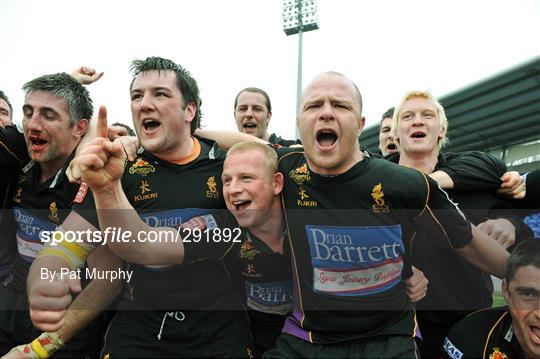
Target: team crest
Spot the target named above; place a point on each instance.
(300, 174)
(18, 195)
(377, 194)
(497, 354)
(212, 188)
(141, 167)
(248, 251)
(54, 212)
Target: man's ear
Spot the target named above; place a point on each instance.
(190, 110)
(504, 290)
(278, 183)
(80, 128)
(361, 124)
(269, 118)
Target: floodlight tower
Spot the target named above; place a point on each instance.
(299, 16)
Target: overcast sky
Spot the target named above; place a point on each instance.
(386, 47)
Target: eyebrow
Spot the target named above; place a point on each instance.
(153, 89)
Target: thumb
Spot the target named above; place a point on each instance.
(102, 130)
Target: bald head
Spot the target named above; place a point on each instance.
(323, 77)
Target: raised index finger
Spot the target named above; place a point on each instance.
(102, 130)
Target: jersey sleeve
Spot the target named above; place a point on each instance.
(442, 218)
(84, 205)
(209, 236)
(473, 170)
(12, 146)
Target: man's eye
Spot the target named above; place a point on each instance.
(135, 97)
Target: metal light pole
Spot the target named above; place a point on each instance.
(299, 16)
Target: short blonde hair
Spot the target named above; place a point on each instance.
(440, 113)
(270, 156)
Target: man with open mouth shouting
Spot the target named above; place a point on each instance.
(351, 220)
(252, 112)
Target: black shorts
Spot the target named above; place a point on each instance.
(16, 328)
(391, 346)
(151, 333)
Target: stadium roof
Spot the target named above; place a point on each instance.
(499, 111)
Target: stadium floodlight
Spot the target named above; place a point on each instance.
(299, 16)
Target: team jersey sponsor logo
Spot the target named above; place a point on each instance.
(378, 196)
(81, 193)
(300, 175)
(141, 167)
(146, 192)
(54, 213)
(173, 218)
(452, 350)
(304, 200)
(251, 271)
(248, 251)
(212, 188)
(272, 298)
(497, 354)
(355, 261)
(29, 233)
(201, 223)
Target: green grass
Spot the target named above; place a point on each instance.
(498, 299)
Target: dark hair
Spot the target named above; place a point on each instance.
(67, 88)
(388, 114)
(4, 97)
(186, 84)
(524, 254)
(128, 129)
(256, 90)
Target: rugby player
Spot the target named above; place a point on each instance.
(252, 113)
(171, 307)
(505, 332)
(419, 129)
(56, 113)
(386, 141)
(350, 237)
(7, 182)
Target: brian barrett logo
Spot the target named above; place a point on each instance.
(141, 167)
(377, 194)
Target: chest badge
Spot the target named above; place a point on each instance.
(497, 354)
(54, 212)
(141, 167)
(378, 196)
(212, 188)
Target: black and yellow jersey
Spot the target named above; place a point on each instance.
(485, 334)
(350, 237)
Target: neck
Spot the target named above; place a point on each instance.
(271, 231)
(342, 168)
(178, 153)
(49, 169)
(266, 136)
(421, 161)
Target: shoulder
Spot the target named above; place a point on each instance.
(469, 335)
